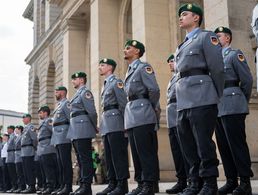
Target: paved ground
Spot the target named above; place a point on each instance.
(164, 186)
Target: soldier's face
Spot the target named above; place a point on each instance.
(76, 83)
(187, 20)
(223, 39)
(58, 95)
(26, 120)
(104, 69)
(42, 115)
(9, 130)
(171, 65)
(130, 52)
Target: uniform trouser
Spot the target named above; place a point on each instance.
(20, 175)
(83, 152)
(29, 170)
(40, 177)
(12, 174)
(181, 165)
(49, 165)
(195, 129)
(143, 142)
(116, 156)
(237, 157)
(6, 178)
(65, 163)
(1, 178)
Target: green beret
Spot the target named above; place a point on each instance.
(192, 8)
(79, 75)
(19, 127)
(223, 29)
(26, 115)
(136, 44)
(44, 108)
(108, 61)
(61, 88)
(171, 57)
(11, 127)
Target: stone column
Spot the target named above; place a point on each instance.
(104, 40)
(74, 50)
(52, 11)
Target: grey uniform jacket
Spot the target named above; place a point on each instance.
(44, 138)
(11, 149)
(28, 141)
(61, 116)
(202, 51)
(18, 149)
(113, 94)
(1, 160)
(235, 99)
(171, 103)
(140, 80)
(83, 125)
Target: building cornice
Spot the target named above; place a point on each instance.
(28, 13)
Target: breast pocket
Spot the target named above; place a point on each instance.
(192, 56)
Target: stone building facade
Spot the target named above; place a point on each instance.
(72, 35)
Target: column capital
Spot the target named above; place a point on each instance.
(74, 24)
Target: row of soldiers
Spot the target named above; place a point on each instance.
(210, 90)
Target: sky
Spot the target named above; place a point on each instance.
(16, 42)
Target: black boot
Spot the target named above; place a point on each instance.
(229, 186)
(12, 189)
(179, 187)
(66, 190)
(156, 186)
(85, 189)
(29, 190)
(210, 186)
(121, 188)
(57, 190)
(193, 188)
(244, 188)
(136, 190)
(147, 189)
(48, 191)
(111, 186)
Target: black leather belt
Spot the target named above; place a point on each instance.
(109, 107)
(61, 123)
(172, 100)
(79, 113)
(11, 150)
(140, 96)
(44, 138)
(231, 84)
(25, 145)
(192, 72)
(17, 149)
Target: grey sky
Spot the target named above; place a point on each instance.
(16, 37)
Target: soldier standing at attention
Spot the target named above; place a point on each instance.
(61, 123)
(233, 108)
(83, 127)
(18, 161)
(179, 160)
(140, 117)
(46, 151)
(113, 101)
(10, 160)
(28, 147)
(200, 84)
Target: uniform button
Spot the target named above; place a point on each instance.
(113, 113)
(81, 121)
(141, 104)
(233, 93)
(200, 81)
(191, 52)
(133, 80)
(178, 57)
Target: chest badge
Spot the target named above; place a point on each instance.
(120, 85)
(88, 95)
(214, 40)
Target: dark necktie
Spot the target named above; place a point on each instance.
(186, 39)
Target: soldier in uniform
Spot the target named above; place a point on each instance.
(18, 161)
(199, 67)
(179, 160)
(10, 160)
(143, 94)
(46, 151)
(233, 108)
(113, 101)
(28, 146)
(83, 127)
(61, 121)
(254, 25)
